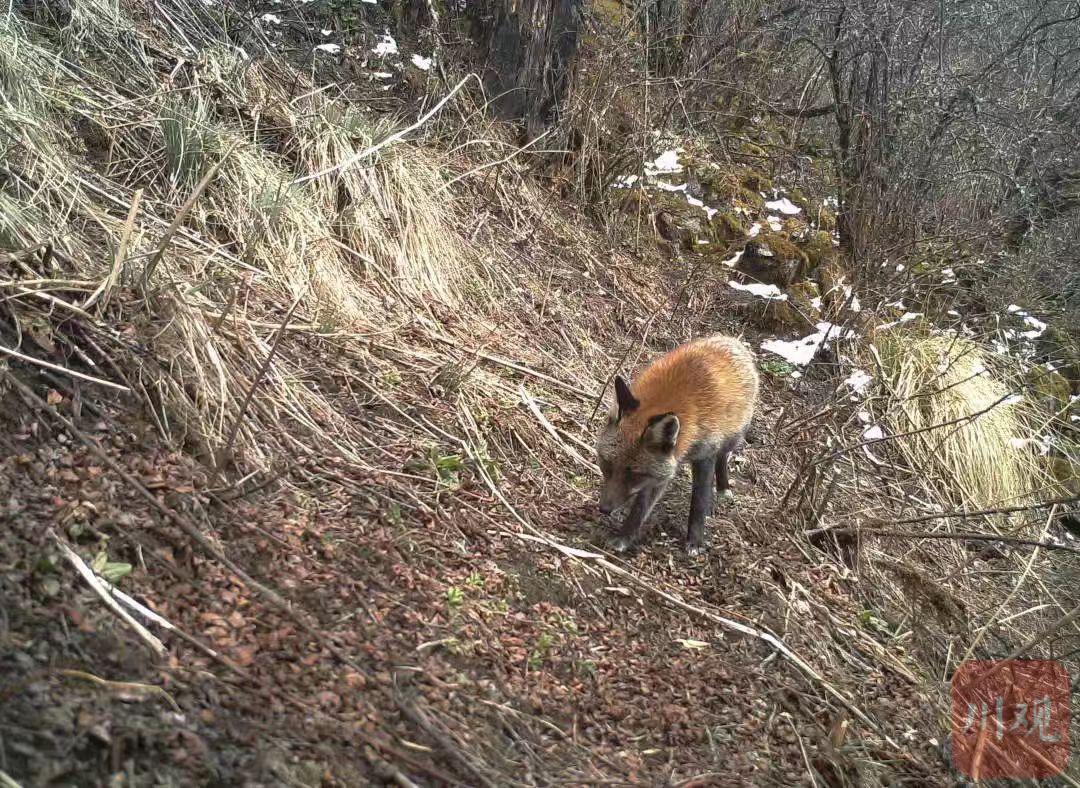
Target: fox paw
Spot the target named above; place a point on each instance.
(623, 544)
(694, 549)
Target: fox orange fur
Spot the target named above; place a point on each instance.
(692, 405)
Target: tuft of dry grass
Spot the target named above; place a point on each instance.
(970, 459)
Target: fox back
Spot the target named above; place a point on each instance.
(693, 402)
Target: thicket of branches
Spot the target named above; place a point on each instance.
(953, 121)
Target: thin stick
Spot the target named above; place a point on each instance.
(960, 537)
(109, 282)
(63, 370)
(985, 628)
(986, 512)
(166, 239)
(91, 578)
(11, 257)
(388, 140)
(259, 375)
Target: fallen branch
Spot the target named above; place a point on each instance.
(63, 370)
(959, 537)
(88, 575)
(987, 512)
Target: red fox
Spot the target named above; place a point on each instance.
(692, 405)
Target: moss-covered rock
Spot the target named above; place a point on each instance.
(773, 259)
(802, 309)
(1049, 387)
(755, 180)
(818, 248)
(1067, 474)
(726, 189)
(726, 228)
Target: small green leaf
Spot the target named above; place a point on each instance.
(99, 562)
(115, 570)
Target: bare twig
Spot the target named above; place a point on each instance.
(170, 231)
(259, 376)
(959, 537)
(63, 370)
(92, 580)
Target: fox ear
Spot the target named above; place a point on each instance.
(627, 401)
(662, 432)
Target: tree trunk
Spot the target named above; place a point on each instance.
(532, 51)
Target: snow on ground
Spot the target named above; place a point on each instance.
(386, 45)
(771, 292)
(784, 206)
(421, 62)
(801, 352)
(858, 381)
(330, 49)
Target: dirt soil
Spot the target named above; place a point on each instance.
(437, 647)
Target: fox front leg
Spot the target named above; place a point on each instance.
(639, 512)
(701, 503)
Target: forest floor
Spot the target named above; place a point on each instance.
(360, 499)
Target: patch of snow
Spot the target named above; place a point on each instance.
(271, 19)
(864, 416)
(666, 162)
(816, 302)
(730, 262)
(755, 228)
(330, 49)
(873, 433)
(897, 305)
(1013, 399)
(370, 2)
(386, 46)
(907, 317)
(858, 381)
(709, 212)
(1042, 443)
(853, 300)
(421, 62)
(771, 292)
(948, 276)
(784, 205)
(900, 267)
(326, 31)
(382, 74)
(624, 182)
(801, 352)
(1037, 325)
(953, 313)
(669, 187)
(774, 224)
(1013, 309)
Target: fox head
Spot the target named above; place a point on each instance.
(635, 452)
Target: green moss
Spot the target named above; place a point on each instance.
(801, 309)
(726, 227)
(800, 199)
(755, 181)
(781, 248)
(818, 248)
(826, 219)
(725, 188)
(1051, 386)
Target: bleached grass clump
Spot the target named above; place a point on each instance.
(970, 461)
(395, 207)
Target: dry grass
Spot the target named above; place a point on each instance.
(969, 459)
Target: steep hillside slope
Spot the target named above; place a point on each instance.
(317, 388)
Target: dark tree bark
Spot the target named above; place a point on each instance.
(532, 51)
